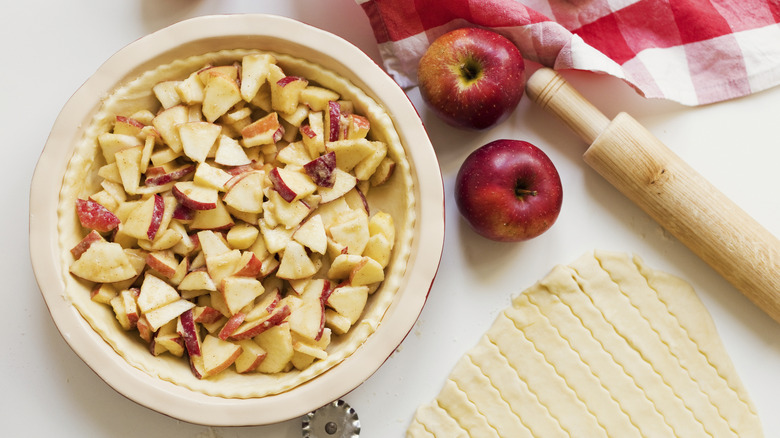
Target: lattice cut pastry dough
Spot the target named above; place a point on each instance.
(604, 347)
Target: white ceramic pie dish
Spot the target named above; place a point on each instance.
(203, 35)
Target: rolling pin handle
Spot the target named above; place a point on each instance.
(551, 91)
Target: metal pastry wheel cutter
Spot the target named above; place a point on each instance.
(334, 420)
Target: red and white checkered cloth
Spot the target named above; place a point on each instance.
(691, 51)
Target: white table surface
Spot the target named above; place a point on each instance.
(52, 47)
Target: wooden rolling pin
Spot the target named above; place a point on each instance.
(670, 191)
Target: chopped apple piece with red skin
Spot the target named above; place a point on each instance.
(246, 194)
(249, 265)
(313, 134)
(219, 95)
(253, 328)
(264, 304)
(254, 73)
(321, 169)
(169, 177)
(183, 213)
(111, 143)
(343, 182)
(349, 301)
(317, 98)
(290, 184)
(144, 331)
(130, 307)
(155, 293)
(227, 71)
(383, 172)
(103, 293)
(218, 354)
(144, 221)
(189, 333)
(127, 126)
(197, 367)
(240, 291)
(128, 163)
(103, 262)
(166, 123)
(164, 262)
(167, 313)
(82, 246)
(277, 343)
(198, 138)
(295, 263)
(312, 235)
(230, 152)
(118, 305)
(357, 126)
(265, 130)
(332, 123)
(231, 325)
(285, 93)
(194, 196)
(206, 314)
(251, 356)
(95, 216)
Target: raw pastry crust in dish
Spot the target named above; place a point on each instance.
(604, 347)
(396, 197)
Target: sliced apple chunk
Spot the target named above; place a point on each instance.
(198, 138)
(219, 95)
(349, 301)
(218, 354)
(103, 262)
(277, 342)
(167, 313)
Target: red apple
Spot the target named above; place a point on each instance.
(472, 78)
(508, 190)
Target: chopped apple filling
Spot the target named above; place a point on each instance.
(232, 226)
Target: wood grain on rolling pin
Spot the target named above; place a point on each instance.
(641, 167)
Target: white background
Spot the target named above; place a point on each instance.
(51, 48)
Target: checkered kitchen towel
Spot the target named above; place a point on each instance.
(691, 51)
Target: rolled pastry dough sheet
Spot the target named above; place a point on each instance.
(604, 347)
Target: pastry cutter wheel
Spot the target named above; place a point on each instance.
(334, 420)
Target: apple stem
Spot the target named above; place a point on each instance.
(470, 69)
(525, 192)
